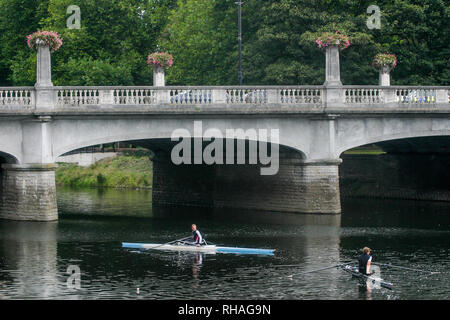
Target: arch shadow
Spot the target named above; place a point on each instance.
(400, 139)
(8, 158)
(166, 145)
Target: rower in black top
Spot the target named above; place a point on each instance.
(196, 239)
(365, 261)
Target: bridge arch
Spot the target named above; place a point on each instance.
(74, 135)
(391, 137)
(8, 158)
(165, 144)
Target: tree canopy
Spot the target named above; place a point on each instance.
(116, 36)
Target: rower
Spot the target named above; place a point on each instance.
(196, 237)
(365, 261)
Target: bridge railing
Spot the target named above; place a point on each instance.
(395, 94)
(17, 97)
(188, 95)
(72, 97)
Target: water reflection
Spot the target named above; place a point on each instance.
(396, 213)
(105, 202)
(197, 264)
(29, 258)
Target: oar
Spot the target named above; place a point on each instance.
(169, 243)
(405, 268)
(335, 266)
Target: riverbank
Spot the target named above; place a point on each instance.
(124, 171)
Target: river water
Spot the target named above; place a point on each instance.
(35, 257)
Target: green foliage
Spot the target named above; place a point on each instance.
(116, 37)
(23, 68)
(89, 72)
(18, 18)
(119, 172)
(200, 36)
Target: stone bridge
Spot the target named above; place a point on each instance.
(316, 124)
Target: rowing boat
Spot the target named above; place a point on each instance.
(368, 279)
(181, 246)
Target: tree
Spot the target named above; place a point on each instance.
(115, 38)
(18, 18)
(280, 49)
(201, 36)
(278, 45)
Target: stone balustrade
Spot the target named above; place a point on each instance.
(17, 97)
(365, 96)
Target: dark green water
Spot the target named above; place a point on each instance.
(34, 257)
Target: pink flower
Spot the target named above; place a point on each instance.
(162, 59)
(49, 38)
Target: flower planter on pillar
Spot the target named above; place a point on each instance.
(44, 43)
(386, 62)
(159, 61)
(332, 43)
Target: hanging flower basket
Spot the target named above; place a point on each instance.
(385, 59)
(160, 59)
(328, 39)
(50, 38)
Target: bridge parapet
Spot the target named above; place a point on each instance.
(23, 98)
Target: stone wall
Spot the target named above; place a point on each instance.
(396, 176)
(29, 193)
(190, 185)
(298, 187)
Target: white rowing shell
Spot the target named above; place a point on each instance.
(207, 248)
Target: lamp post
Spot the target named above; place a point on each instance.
(240, 3)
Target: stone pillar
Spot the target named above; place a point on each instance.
(183, 185)
(37, 140)
(300, 187)
(334, 94)
(442, 96)
(320, 180)
(159, 80)
(29, 192)
(159, 76)
(385, 76)
(333, 71)
(45, 97)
